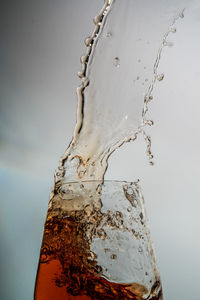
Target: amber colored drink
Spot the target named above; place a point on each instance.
(68, 270)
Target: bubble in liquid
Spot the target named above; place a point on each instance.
(160, 77)
(140, 249)
(116, 62)
(113, 256)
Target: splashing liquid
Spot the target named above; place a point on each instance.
(117, 81)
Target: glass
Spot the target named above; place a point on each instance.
(97, 245)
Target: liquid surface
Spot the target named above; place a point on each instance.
(100, 251)
(68, 271)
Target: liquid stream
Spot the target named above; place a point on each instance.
(118, 76)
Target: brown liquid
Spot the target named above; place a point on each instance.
(69, 270)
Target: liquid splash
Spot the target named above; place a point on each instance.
(105, 121)
(97, 133)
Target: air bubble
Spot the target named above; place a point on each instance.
(88, 41)
(116, 62)
(140, 249)
(129, 191)
(113, 256)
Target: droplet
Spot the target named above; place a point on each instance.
(129, 209)
(138, 78)
(181, 15)
(139, 60)
(113, 256)
(116, 62)
(151, 163)
(58, 174)
(160, 77)
(168, 44)
(173, 30)
(109, 34)
(88, 41)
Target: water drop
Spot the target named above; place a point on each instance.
(139, 60)
(160, 77)
(138, 78)
(88, 41)
(181, 15)
(58, 174)
(109, 34)
(113, 256)
(129, 209)
(168, 44)
(116, 62)
(173, 30)
(106, 250)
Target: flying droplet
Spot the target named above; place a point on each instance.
(116, 62)
(173, 30)
(181, 15)
(160, 77)
(113, 256)
(109, 34)
(168, 44)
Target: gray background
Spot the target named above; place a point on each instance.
(41, 45)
